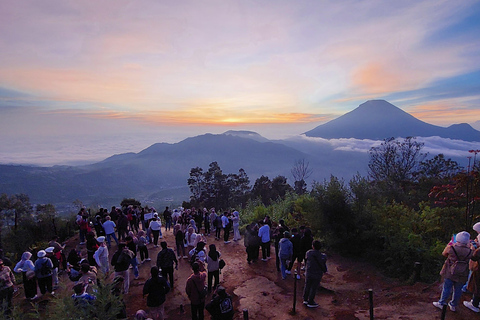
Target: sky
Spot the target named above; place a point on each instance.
(82, 80)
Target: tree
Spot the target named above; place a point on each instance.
(196, 183)
(438, 168)
(263, 189)
(300, 173)
(239, 185)
(393, 166)
(280, 187)
(129, 202)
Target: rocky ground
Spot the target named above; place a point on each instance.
(260, 289)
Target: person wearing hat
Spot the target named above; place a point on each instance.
(43, 272)
(475, 244)
(285, 253)
(101, 255)
(51, 256)
(7, 282)
(221, 306)
(27, 268)
(156, 228)
(455, 270)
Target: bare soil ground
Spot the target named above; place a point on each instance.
(260, 289)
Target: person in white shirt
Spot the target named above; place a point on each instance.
(264, 234)
(109, 227)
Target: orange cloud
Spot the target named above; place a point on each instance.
(194, 117)
(445, 113)
(375, 78)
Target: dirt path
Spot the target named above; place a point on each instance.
(260, 289)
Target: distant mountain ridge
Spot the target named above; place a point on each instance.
(379, 119)
(160, 171)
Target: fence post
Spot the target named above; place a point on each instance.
(370, 299)
(294, 292)
(245, 314)
(444, 311)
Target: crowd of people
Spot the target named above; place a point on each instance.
(461, 271)
(133, 228)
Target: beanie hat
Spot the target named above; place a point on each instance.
(476, 227)
(463, 237)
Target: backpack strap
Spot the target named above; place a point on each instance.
(464, 259)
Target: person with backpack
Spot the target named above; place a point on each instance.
(285, 253)
(221, 306)
(196, 291)
(44, 272)
(121, 261)
(198, 253)
(455, 270)
(315, 267)
(27, 268)
(155, 289)
(165, 260)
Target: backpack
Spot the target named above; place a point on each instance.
(226, 305)
(45, 269)
(193, 258)
(459, 267)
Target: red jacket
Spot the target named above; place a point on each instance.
(195, 283)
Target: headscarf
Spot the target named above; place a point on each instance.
(212, 252)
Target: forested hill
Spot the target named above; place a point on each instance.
(161, 171)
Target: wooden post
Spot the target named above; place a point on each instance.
(417, 271)
(294, 292)
(444, 311)
(370, 299)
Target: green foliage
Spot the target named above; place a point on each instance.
(105, 307)
(129, 201)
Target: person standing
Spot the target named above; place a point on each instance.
(236, 226)
(277, 236)
(264, 234)
(155, 289)
(132, 246)
(121, 261)
(142, 246)
(285, 253)
(27, 268)
(297, 252)
(213, 266)
(7, 281)
(226, 227)
(109, 227)
(179, 241)
(458, 253)
(55, 263)
(165, 260)
(101, 256)
(43, 272)
(194, 289)
(167, 215)
(156, 228)
(315, 267)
